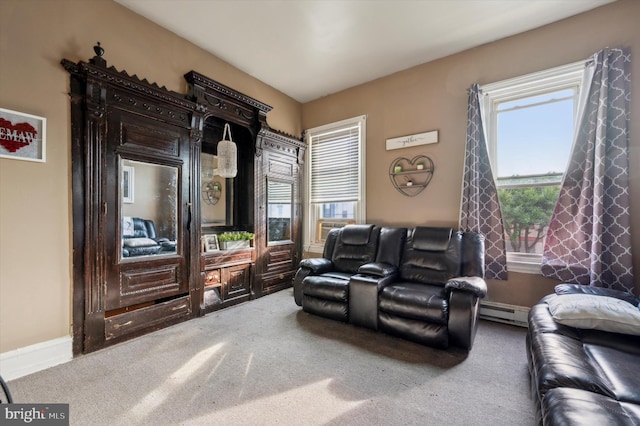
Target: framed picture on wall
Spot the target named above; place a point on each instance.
(22, 136)
(211, 242)
(128, 176)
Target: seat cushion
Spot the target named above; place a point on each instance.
(416, 301)
(331, 286)
(565, 406)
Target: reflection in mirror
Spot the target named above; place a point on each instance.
(149, 209)
(279, 210)
(214, 192)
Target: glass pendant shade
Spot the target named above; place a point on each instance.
(227, 155)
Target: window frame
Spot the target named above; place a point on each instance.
(313, 210)
(537, 83)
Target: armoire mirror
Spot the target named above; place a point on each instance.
(279, 210)
(148, 209)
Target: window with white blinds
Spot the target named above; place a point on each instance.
(335, 162)
(335, 178)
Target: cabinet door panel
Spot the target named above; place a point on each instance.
(145, 210)
(236, 281)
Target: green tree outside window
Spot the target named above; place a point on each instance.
(526, 213)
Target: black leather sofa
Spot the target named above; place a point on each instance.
(579, 375)
(422, 284)
(140, 239)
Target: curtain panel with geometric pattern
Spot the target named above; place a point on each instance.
(480, 207)
(589, 237)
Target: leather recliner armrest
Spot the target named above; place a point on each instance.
(475, 285)
(307, 267)
(317, 265)
(378, 269)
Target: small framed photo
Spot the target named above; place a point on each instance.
(128, 184)
(211, 242)
(22, 136)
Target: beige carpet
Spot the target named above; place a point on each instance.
(266, 362)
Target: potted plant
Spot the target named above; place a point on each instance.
(235, 240)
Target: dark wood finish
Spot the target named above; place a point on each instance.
(126, 323)
(117, 116)
(228, 273)
(281, 161)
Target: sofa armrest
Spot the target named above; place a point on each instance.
(298, 278)
(475, 285)
(567, 288)
(378, 269)
(310, 266)
(317, 265)
(464, 310)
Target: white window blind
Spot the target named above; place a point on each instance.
(336, 181)
(335, 160)
(279, 194)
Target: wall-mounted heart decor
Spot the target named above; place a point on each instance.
(411, 176)
(16, 136)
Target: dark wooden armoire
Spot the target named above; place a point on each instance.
(149, 206)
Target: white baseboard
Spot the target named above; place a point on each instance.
(504, 313)
(30, 359)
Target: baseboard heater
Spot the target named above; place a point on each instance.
(501, 312)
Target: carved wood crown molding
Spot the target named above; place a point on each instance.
(280, 141)
(196, 78)
(130, 82)
(207, 97)
(275, 136)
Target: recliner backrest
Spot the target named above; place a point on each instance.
(472, 255)
(390, 245)
(143, 228)
(431, 255)
(355, 245)
(330, 243)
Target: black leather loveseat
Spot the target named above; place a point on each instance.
(422, 284)
(583, 348)
(140, 239)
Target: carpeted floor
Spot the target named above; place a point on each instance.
(268, 363)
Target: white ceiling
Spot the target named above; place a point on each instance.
(311, 48)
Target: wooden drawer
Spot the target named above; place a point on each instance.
(147, 317)
(226, 258)
(282, 280)
(212, 278)
(279, 261)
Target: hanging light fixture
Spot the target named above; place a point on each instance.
(227, 155)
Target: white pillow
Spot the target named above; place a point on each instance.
(139, 242)
(595, 312)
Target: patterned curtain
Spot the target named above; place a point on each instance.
(589, 237)
(480, 208)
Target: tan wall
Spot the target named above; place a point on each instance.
(433, 96)
(35, 201)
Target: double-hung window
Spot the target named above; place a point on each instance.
(530, 123)
(335, 177)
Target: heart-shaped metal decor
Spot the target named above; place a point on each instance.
(411, 176)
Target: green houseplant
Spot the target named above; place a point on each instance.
(235, 239)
